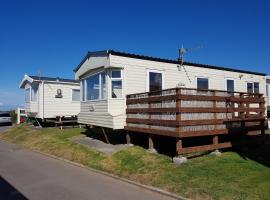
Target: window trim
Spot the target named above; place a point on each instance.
(72, 89)
(100, 89)
(203, 77)
(27, 101)
(253, 88)
(148, 77)
(117, 79)
(267, 90)
(31, 90)
(83, 90)
(226, 84)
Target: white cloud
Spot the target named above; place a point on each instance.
(1, 104)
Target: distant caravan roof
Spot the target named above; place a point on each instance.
(46, 79)
(43, 78)
(143, 57)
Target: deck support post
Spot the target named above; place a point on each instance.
(179, 146)
(215, 143)
(215, 140)
(179, 159)
(105, 135)
(128, 139)
(151, 147)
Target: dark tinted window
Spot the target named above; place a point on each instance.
(230, 85)
(250, 87)
(155, 81)
(4, 115)
(116, 74)
(202, 83)
(256, 88)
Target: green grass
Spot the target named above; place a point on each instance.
(231, 176)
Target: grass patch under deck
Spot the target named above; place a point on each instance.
(231, 176)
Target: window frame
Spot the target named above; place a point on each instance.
(202, 77)
(267, 90)
(253, 87)
(29, 98)
(148, 78)
(121, 78)
(226, 84)
(73, 89)
(31, 91)
(85, 89)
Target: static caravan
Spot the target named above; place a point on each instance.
(48, 98)
(106, 77)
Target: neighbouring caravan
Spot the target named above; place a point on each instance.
(106, 77)
(48, 98)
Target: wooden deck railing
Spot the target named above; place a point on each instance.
(184, 112)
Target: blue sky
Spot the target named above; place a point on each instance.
(53, 36)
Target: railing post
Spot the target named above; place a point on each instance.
(248, 106)
(149, 107)
(262, 114)
(241, 113)
(215, 138)
(178, 119)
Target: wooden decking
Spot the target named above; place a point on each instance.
(187, 113)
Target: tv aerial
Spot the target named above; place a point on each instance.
(182, 51)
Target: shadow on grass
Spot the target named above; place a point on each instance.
(259, 152)
(7, 191)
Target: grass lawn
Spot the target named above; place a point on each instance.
(231, 176)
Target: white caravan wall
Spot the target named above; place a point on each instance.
(58, 106)
(96, 113)
(136, 75)
(135, 79)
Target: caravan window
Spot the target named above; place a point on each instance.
(230, 85)
(94, 87)
(75, 95)
(34, 91)
(116, 84)
(256, 88)
(253, 87)
(103, 85)
(202, 83)
(27, 95)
